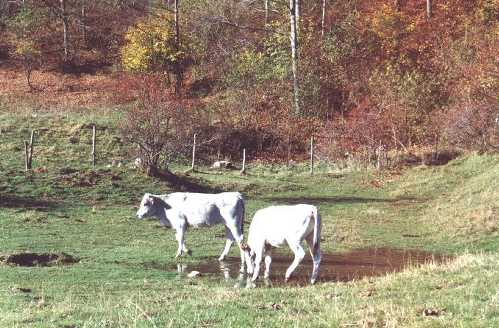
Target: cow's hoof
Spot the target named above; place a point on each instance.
(189, 252)
(312, 281)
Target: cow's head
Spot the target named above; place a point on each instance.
(151, 206)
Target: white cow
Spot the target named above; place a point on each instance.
(278, 225)
(182, 209)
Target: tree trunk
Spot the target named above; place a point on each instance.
(178, 70)
(297, 14)
(323, 17)
(428, 9)
(65, 30)
(266, 11)
(294, 54)
(29, 70)
(83, 22)
(397, 4)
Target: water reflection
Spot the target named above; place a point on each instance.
(221, 267)
(353, 265)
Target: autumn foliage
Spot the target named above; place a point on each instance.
(376, 75)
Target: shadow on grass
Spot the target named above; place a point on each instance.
(342, 200)
(10, 201)
(183, 182)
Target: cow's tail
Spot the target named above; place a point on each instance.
(317, 230)
(243, 211)
(244, 245)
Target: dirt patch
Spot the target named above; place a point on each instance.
(354, 265)
(87, 178)
(12, 201)
(35, 259)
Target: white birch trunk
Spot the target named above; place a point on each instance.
(297, 14)
(178, 73)
(65, 30)
(323, 17)
(294, 54)
(83, 23)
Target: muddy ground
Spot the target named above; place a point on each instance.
(354, 265)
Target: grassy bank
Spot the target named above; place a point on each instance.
(126, 271)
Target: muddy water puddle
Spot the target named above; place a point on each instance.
(353, 265)
(38, 259)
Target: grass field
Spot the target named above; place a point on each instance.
(126, 275)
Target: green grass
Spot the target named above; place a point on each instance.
(121, 280)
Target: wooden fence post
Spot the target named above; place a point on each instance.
(26, 156)
(193, 153)
(93, 145)
(28, 152)
(243, 169)
(311, 155)
(31, 145)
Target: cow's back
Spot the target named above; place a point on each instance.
(277, 223)
(205, 208)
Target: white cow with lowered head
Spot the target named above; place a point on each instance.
(180, 210)
(279, 225)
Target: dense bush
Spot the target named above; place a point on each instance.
(159, 124)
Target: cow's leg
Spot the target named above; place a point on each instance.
(256, 269)
(268, 262)
(238, 236)
(228, 244)
(258, 261)
(316, 258)
(299, 255)
(179, 235)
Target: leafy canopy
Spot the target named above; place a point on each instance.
(150, 45)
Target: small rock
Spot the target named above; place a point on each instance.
(222, 165)
(137, 163)
(432, 312)
(21, 289)
(193, 274)
(275, 306)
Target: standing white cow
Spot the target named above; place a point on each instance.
(278, 225)
(182, 209)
